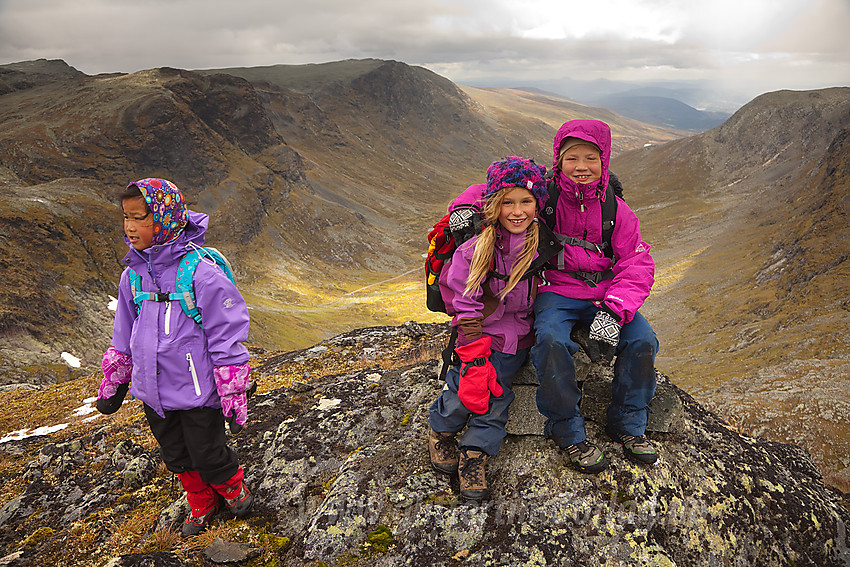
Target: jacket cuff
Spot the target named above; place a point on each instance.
(470, 328)
(618, 318)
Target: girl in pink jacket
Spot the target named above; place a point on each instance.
(488, 288)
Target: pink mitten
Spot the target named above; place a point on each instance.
(117, 368)
(231, 383)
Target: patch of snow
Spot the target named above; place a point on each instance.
(24, 433)
(71, 360)
(83, 410)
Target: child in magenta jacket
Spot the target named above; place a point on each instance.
(188, 376)
(584, 285)
(488, 290)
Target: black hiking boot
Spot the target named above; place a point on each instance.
(636, 448)
(473, 485)
(241, 505)
(587, 458)
(442, 448)
(195, 525)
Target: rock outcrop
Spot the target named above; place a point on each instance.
(339, 466)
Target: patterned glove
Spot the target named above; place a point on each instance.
(231, 382)
(605, 330)
(117, 369)
(477, 376)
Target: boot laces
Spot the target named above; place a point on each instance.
(473, 469)
(446, 446)
(637, 443)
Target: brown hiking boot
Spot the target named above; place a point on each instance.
(473, 486)
(443, 450)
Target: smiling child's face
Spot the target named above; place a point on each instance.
(582, 164)
(138, 222)
(518, 209)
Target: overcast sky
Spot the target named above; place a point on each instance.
(752, 46)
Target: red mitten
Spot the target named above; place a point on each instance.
(477, 375)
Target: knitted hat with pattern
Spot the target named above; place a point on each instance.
(516, 171)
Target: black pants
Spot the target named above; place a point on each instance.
(194, 440)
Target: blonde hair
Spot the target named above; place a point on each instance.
(482, 257)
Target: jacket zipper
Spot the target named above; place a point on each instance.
(168, 318)
(194, 374)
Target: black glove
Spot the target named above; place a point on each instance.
(235, 428)
(108, 406)
(605, 332)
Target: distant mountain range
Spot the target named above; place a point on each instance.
(662, 111)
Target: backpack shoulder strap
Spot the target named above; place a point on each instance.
(609, 218)
(136, 288)
(184, 285)
(186, 274)
(547, 213)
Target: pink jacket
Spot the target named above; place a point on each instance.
(634, 269)
(507, 322)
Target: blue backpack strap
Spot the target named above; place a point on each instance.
(139, 295)
(185, 277)
(136, 288)
(185, 293)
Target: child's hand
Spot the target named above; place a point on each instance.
(231, 382)
(235, 408)
(477, 376)
(117, 368)
(606, 332)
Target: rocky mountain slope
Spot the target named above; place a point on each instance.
(335, 450)
(748, 224)
(320, 180)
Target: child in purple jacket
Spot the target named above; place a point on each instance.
(487, 289)
(189, 376)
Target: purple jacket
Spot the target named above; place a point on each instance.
(508, 322)
(173, 357)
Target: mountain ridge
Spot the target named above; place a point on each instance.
(745, 219)
(256, 157)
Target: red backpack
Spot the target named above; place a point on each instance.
(448, 233)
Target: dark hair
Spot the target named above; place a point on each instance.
(131, 192)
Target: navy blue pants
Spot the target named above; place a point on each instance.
(558, 396)
(484, 432)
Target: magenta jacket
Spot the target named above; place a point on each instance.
(509, 324)
(173, 357)
(634, 269)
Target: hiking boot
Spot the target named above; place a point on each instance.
(241, 505)
(587, 458)
(443, 450)
(473, 486)
(636, 448)
(195, 525)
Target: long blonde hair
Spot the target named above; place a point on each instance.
(482, 257)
